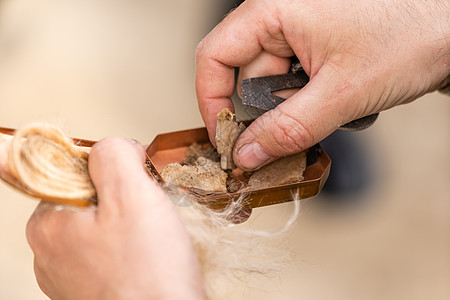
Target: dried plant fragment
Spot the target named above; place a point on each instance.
(285, 170)
(227, 132)
(234, 184)
(196, 150)
(205, 174)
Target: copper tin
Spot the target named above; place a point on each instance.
(171, 147)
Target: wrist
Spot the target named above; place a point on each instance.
(440, 35)
(154, 292)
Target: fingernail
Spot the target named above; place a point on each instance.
(252, 155)
(132, 141)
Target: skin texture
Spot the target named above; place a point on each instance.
(132, 246)
(362, 57)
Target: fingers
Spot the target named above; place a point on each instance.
(43, 279)
(236, 41)
(81, 252)
(115, 166)
(264, 65)
(117, 170)
(51, 233)
(298, 123)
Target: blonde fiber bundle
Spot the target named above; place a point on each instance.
(48, 164)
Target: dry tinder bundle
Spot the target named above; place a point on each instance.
(45, 162)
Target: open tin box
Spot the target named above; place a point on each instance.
(172, 147)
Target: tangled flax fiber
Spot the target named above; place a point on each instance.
(48, 164)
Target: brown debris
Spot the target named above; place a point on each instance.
(206, 169)
(234, 184)
(285, 170)
(205, 174)
(227, 132)
(196, 150)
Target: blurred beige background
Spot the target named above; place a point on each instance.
(126, 68)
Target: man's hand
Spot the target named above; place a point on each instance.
(362, 57)
(132, 246)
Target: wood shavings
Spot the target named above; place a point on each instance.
(227, 132)
(205, 174)
(285, 170)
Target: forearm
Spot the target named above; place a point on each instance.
(438, 43)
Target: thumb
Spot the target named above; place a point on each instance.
(298, 123)
(117, 170)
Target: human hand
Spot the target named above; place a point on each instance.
(362, 57)
(132, 246)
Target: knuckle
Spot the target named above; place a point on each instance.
(107, 143)
(106, 148)
(40, 228)
(30, 232)
(42, 278)
(289, 134)
(200, 49)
